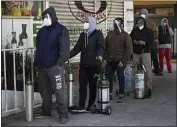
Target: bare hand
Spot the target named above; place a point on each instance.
(121, 64)
(104, 62)
(141, 42)
(156, 41)
(99, 58)
(135, 42)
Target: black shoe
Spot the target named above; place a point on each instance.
(42, 115)
(88, 109)
(169, 71)
(159, 74)
(78, 109)
(72, 107)
(153, 71)
(63, 120)
(120, 98)
(148, 94)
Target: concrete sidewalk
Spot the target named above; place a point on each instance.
(160, 110)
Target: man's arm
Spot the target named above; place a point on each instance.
(128, 49)
(76, 49)
(100, 43)
(170, 31)
(150, 38)
(64, 47)
(154, 28)
(37, 43)
(106, 48)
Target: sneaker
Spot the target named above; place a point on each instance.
(169, 71)
(78, 109)
(63, 120)
(42, 115)
(120, 98)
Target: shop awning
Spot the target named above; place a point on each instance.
(146, 3)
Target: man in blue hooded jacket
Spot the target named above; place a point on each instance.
(91, 46)
(52, 51)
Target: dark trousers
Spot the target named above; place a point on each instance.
(53, 78)
(87, 76)
(111, 67)
(154, 57)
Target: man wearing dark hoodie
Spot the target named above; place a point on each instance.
(143, 38)
(118, 46)
(91, 46)
(165, 40)
(52, 51)
(152, 25)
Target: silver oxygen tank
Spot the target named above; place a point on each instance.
(139, 82)
(29, 101)
(103, 92)
(70, 88)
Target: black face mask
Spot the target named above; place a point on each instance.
(117, 26)
(140, 23)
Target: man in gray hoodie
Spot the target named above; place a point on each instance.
(91, 46)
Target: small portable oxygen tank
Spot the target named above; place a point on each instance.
(70, 86)
(128, 74)
(103, 94)
(29, 100)
(139, 82)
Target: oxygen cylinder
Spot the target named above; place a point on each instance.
(29, 101)
(103, 92)
(139, 82)
(70, 86)
(128, 71)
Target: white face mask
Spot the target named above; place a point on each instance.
(47, 21)
(86, 26)
(141, 27)
(143, 16)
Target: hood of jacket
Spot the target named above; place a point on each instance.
(92, 23)
(164, 20)
(51, 11)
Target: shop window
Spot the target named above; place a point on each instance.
(158, 11)
(22, 8)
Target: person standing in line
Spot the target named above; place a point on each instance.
(118, 49)
(91, 46)
(152, 25)
(52, 51)
(165, 40)
(142, 38)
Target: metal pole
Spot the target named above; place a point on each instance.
(70, 86)
(29, 101)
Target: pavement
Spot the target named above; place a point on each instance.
(160, 110)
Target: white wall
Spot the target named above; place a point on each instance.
(128, 16)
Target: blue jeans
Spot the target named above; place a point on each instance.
(111, 67)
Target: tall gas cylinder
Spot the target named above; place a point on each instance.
(139, 82)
